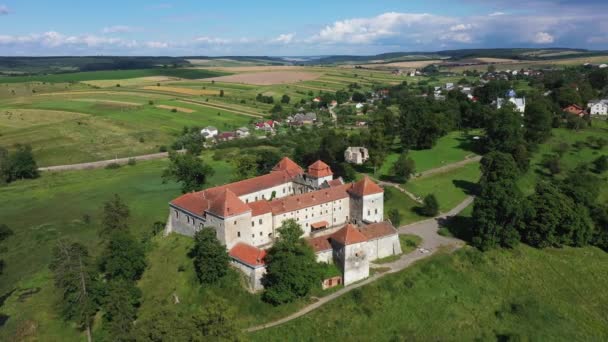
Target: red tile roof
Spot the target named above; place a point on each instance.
(192, 202)
(365, 187)
(319, 169)
(377, 230)
(349, 235)
(227, 204)
(320, 224)
(260, 207)
(287, 164)
(309, 199)
(248, 254)
(320, 243)
(335, 182)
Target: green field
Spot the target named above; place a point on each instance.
(521, 294)
(112, 75)
(97, 126)
(54, 206)
(450, 187)
(395, 199)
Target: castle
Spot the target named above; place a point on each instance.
(344, 223)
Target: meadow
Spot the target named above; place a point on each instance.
(520, 294)
(69, 205)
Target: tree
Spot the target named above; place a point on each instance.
(73, 276)
(246, 166)
(430, 206)
(216, 321)
(19, 164)
(496, 166)
(404, 167)
(556, 220)
(276, 109)
(115, 216)
(209, 256)
(291, 267)
(342, 96)
(285, 99)
(358, 97)
(504, 133)
(5, 232)
(188, 170)
(498, 215)
(123, 258)
(166, 324)
(600, 164)
(538, 121)
(221, 92)
(120, 303)
(395, 216)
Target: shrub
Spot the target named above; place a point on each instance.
(430, 206)
(132, 162)
(112, 166)
(162, 148)
(395, 216)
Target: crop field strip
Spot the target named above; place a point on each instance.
(225, 108)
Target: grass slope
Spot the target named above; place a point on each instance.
(542, 295)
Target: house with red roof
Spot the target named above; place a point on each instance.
(249, 212)
(575, 109)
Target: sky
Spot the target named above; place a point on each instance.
(302, 28)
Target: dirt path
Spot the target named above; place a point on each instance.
(448, 167)
(432, 242)
(103, 163)
(220, 107)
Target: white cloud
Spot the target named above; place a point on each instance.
(496, 14)
(4, 10)
(461, 27)
(543, 38)
(212, 40)
(391, 24)
(119, 29)
(285, 38)
(157, 45)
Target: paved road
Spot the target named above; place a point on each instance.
(431, 243)
(103, 163)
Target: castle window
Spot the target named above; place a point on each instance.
(376, 211)
(334, 219)
(238, 234)
(235, 223)
(256, 198)
(252, 223)
(263, 196)
(260, 221)
(368, 212)
(246, 200)
(260, 233)
(252, 236)
(283, 190)
(176, 214)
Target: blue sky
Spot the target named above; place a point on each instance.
(281, 28)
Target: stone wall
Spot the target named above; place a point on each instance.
(383, 247)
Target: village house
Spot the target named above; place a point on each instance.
(518, 102)
(267, 125)
(246, 215)
(302, 119)
(242, 132)
(225, 136)
(356, 155)
(574, 109)
(209, 132)
(598, 107)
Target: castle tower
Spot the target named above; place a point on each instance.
(318, 173)
(367, 201)
(351, 254)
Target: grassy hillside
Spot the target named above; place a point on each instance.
(112, 75)
(525, 294)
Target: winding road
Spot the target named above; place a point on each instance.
(432, 242)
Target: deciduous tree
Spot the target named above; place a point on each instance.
(188, 170)
(209, 256)
(115, 216)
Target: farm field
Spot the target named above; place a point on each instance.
(501, 294)
(111, 75)
(102, 127)
(61, 201)
(268, 78)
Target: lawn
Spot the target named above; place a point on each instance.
(54, 206)
(521, 294)
(395, 199)
(451, 148)
(450, 187)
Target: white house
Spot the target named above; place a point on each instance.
(242, 132)
(519, 102)
(209, 132)
(598, 107)
(449, 86)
